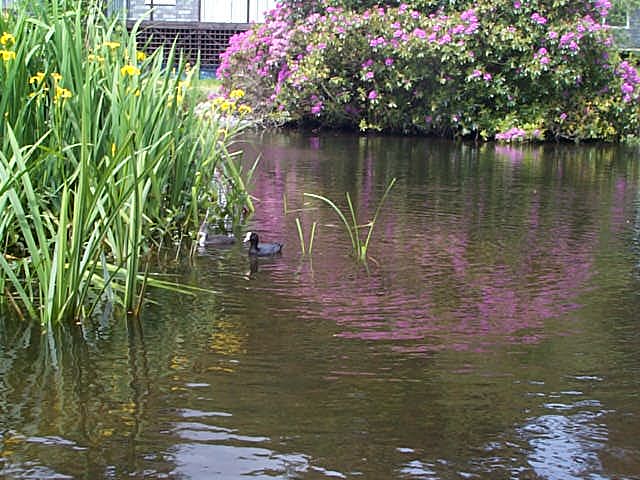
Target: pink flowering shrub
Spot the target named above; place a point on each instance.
(493, 69)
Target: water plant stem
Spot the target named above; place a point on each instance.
(303, 247)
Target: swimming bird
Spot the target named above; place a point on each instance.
(261, 249)
(208, 239)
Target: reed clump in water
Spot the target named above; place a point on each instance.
(359, 247)
(100, 157)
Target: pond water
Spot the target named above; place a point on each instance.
(495, 334)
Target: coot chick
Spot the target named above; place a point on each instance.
(261, 249)
(209, 239)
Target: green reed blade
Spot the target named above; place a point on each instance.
(375, 216)
(300, 235)
(27, 299)
(313, 234)
(356, 234)
(340, 215)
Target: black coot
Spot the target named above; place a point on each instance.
(209, 239)
(261, 249)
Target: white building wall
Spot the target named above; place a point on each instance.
(235, 11)
(217, 11)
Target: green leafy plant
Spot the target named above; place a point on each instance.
(113, 160)
(449, 68)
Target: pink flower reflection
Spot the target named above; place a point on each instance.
(458, 268)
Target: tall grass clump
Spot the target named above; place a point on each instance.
(359, 247)
(100, 157)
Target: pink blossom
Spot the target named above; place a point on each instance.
(317, 108)
(458, 29)
(469, 16)
(602, 6)
(539, 19)
(627, 88)
(514, 133)
(419, 33)
(372, 95)
(567, 38)
(388, 61)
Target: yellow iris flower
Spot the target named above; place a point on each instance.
(244, 109)
(112, 45)
(37, 78)
(7, 55)
(62, 93)
(7, 38)
(236, 94)
(129, 70)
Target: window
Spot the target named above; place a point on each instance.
(160, 2)
(618, 16)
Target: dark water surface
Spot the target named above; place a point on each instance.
(495, 335)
